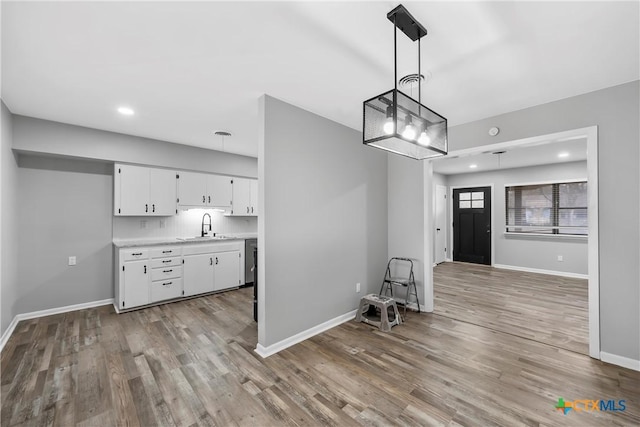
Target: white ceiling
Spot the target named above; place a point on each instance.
(517, 157)
(188, 69)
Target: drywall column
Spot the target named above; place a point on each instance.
(406, 212)
(9, 222)
(324, 226)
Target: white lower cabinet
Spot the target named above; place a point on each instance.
(198, 274)
(226, 271)
(147, 275)
(135, 278)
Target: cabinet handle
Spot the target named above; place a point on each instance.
(210, 261)
(166, 261)
(209, 199)
(203, 199)
(247, 209)
(251, 209)
(167, 271)
(166, 252)
(136, 254)
(166, 283)
(145, 269)
(216, 260)
(153, 208)
(146, 208)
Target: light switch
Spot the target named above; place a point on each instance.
(72, 260)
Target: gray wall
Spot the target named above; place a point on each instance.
(9, 222)
(530, 251)
(42, 136)
(65, 210)
(616, 112)
(325, 219)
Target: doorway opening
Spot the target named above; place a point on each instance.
(592, 283)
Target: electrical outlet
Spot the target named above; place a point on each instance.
(143, 223)
(163, 223)
(72, 260)
(357, 287)
(560, 258)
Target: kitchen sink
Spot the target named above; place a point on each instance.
(198, 238)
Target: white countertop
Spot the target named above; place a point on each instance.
(128, 243)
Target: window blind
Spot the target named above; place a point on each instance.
(557, 208)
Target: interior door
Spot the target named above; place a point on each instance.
(472, 225)
(440, 205)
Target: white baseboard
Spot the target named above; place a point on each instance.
(48, 312)
(301, 336)
(625, 362)
(541, 271)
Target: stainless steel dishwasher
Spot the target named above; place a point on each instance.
(249, 262)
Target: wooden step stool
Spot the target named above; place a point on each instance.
(382, 303)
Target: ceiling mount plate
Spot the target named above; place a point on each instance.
(407, 23)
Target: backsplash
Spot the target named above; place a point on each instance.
(186, 224)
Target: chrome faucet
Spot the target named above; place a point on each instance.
(205, 233)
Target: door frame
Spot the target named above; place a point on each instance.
(450, 216)
(445, 229)
(591, 135)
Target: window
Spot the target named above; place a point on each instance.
(559, 208)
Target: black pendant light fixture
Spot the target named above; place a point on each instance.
(396, 122)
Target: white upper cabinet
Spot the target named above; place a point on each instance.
(162, 192)
(245, 197)
(220, 190)
(204, 190)
(142, 191)
(192, 189)
(254, 197)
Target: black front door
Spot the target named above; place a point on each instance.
(472, 225)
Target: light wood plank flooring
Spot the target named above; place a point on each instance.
(192, 363)
(549, 309)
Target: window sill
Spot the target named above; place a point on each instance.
(540, 236)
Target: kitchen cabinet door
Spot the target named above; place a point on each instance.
(192, 189)
(241, 197)
(162, 192)
(197, 274)
(131, 190)
(254, 197)
(135, 283)
(226, 270)
(219, 191)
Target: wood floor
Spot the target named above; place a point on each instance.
(192, 363)
(541, 307)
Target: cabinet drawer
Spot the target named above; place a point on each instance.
(165, 251)
(165, 273)
(166, 262)
(134, 254)
(166, 289)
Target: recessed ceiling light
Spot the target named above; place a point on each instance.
(126, 111)
(563, 154)
(473, 166)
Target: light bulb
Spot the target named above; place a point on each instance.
(409, 131)
(424, 139)
(389, 127)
